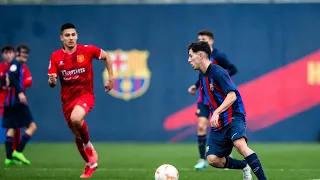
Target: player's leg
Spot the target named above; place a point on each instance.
(79, 143)
(8, 145)
(219, 148)
(16, 139)
(238, 136)
(89, 168)
(23, 118)
(78, 113)
(78, 122)
(203, 113)
(9, 124)
(18, 153)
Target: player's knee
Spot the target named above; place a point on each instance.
(241, 146)
(214, 161)
(202, 125)
(10, 132)
(76, 120)
(33, 126)
(77, 115)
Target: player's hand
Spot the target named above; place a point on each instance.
(52, 79)
(192, 89)
(109, 85)
(23, 98)
(214, 119)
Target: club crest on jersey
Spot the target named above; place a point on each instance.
(80, 58)
(131, 73)
(211, 87)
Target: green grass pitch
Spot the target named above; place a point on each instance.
(139, 161)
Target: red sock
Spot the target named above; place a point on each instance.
(16, 139)
(83, 131)
(79, 144)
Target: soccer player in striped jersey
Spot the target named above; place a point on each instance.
(203, 111)
(16, 110)
(228, 123)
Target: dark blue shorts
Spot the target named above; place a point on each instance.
(220, 143)
(16, 116)
(203, 110)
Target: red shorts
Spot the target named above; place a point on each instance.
(85, 101)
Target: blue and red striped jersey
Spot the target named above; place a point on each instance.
(15, 75)
(215, 85)
(220, 59)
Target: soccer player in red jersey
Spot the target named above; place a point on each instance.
(73, 65)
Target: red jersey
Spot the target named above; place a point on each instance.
(74, 70)
(27, 78)
(4, 67)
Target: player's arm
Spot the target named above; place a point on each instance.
(193, 88)
(52, 72)
(224, 62)
(98, 53)
(197, 84)
(27, 78)
(228, 88)
(108, 63)
(103, 55)
(14, 77)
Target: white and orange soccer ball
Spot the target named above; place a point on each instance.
(166, 172)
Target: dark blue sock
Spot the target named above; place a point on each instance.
(255, 165)
(202, 140)
(234, 163)
(24, 140)
(8, 144)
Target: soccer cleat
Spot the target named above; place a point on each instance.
(201, 165)
(19, 156)
(88, 171)
(92, 154)
(9, 162)
(247, 173)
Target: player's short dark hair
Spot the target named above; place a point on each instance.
(67, 26)
(23, 48)
(7, 48)
(200, 46)
(206, 33)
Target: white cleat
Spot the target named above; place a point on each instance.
(247, 173)
(201, 165)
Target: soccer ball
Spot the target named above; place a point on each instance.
(166, 172)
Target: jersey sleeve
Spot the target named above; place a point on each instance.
(15, 73)
(224, 80)
(95, 51)
(224, 62)
(52, 69)
(27, 78)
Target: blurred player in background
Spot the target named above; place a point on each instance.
(203, 107)
(7, 53)
(73, 65)
(228, 123)
(16, 110)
